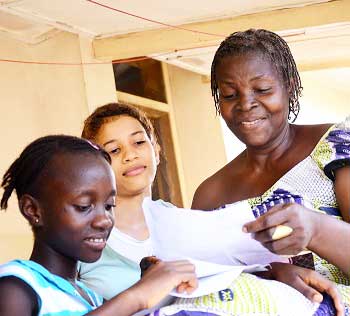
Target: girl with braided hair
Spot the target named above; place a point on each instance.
(66, 191)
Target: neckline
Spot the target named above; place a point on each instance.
(62, 283)
(295, 166)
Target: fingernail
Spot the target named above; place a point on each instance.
(317, 298)
(244, 229)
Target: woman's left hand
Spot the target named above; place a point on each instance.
(301, 221)
(308, 282)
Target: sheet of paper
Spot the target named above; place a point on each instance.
(214, 236)
(214, 277)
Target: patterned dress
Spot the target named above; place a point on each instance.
(310, 182)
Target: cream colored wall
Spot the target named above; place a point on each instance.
(37, 100)
(199, 133)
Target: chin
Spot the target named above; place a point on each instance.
(90, 259)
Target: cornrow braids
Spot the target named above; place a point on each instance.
(25, 171)
(105, 113)
(271, 46)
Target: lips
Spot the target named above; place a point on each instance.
(251, 122)
(134, 171)
(96, 243)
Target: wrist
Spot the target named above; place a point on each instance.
(135, 297)
(315, 220)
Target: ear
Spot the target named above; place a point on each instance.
(31, 210)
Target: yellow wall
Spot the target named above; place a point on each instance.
(199, 133)
(37, 100)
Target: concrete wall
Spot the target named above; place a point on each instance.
(37, 100)
(198, 128)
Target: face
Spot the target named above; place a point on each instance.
(253, 100)
(134, 159)
(77, 206)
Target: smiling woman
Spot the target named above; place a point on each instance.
(256, 86)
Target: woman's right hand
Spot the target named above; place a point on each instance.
(162, 277)
(302, 221)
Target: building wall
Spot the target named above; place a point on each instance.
(37, 100)
(199, 133)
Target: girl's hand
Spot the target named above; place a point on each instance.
(302, 221)
(162, 277)
(308, 282)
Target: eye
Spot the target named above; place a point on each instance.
(140, 142)
(229, 96)
(84, 208)
(109, 207)
(114, 151)
(263, 90)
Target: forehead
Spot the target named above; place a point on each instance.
(72, 172)
(118, 127)
(250, 64)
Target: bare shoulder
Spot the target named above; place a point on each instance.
(313, 132)
(308, 136)
(17, 297)
(211, 193)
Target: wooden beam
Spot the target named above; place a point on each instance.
(167, 40)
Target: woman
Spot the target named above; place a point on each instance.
(256, 86)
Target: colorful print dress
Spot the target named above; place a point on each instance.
(310, 182)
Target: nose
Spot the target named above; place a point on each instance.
(247, 101)
(103, 219)
(130, 154)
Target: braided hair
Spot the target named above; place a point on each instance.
(271, 46)
(24, 173)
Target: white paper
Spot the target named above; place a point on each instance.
(213, 236)
(214, 277)
(213, 241)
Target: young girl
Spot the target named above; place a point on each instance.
(66, 191)
(128, 136)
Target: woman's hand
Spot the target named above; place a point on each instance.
(308, 282)
(302, 221)
(162, 277)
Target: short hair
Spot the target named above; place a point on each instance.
(105, 113)
(271, 46)
(24, 174)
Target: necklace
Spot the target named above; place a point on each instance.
(79, 291)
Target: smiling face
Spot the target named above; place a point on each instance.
(253, 100)
(134, 158)
(77, 206)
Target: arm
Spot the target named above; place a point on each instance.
(317, 232)
(157, 282)
(342, 191)
(206, 195)
(17, 298)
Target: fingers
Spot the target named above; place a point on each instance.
(189, 286)
(309, 292)
(270, 219)
(325, 285)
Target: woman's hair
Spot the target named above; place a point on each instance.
(271, 46)
(106, 113)
(24, 174)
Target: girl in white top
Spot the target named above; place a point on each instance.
(128, 136)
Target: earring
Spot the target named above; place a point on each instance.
(37, 220)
